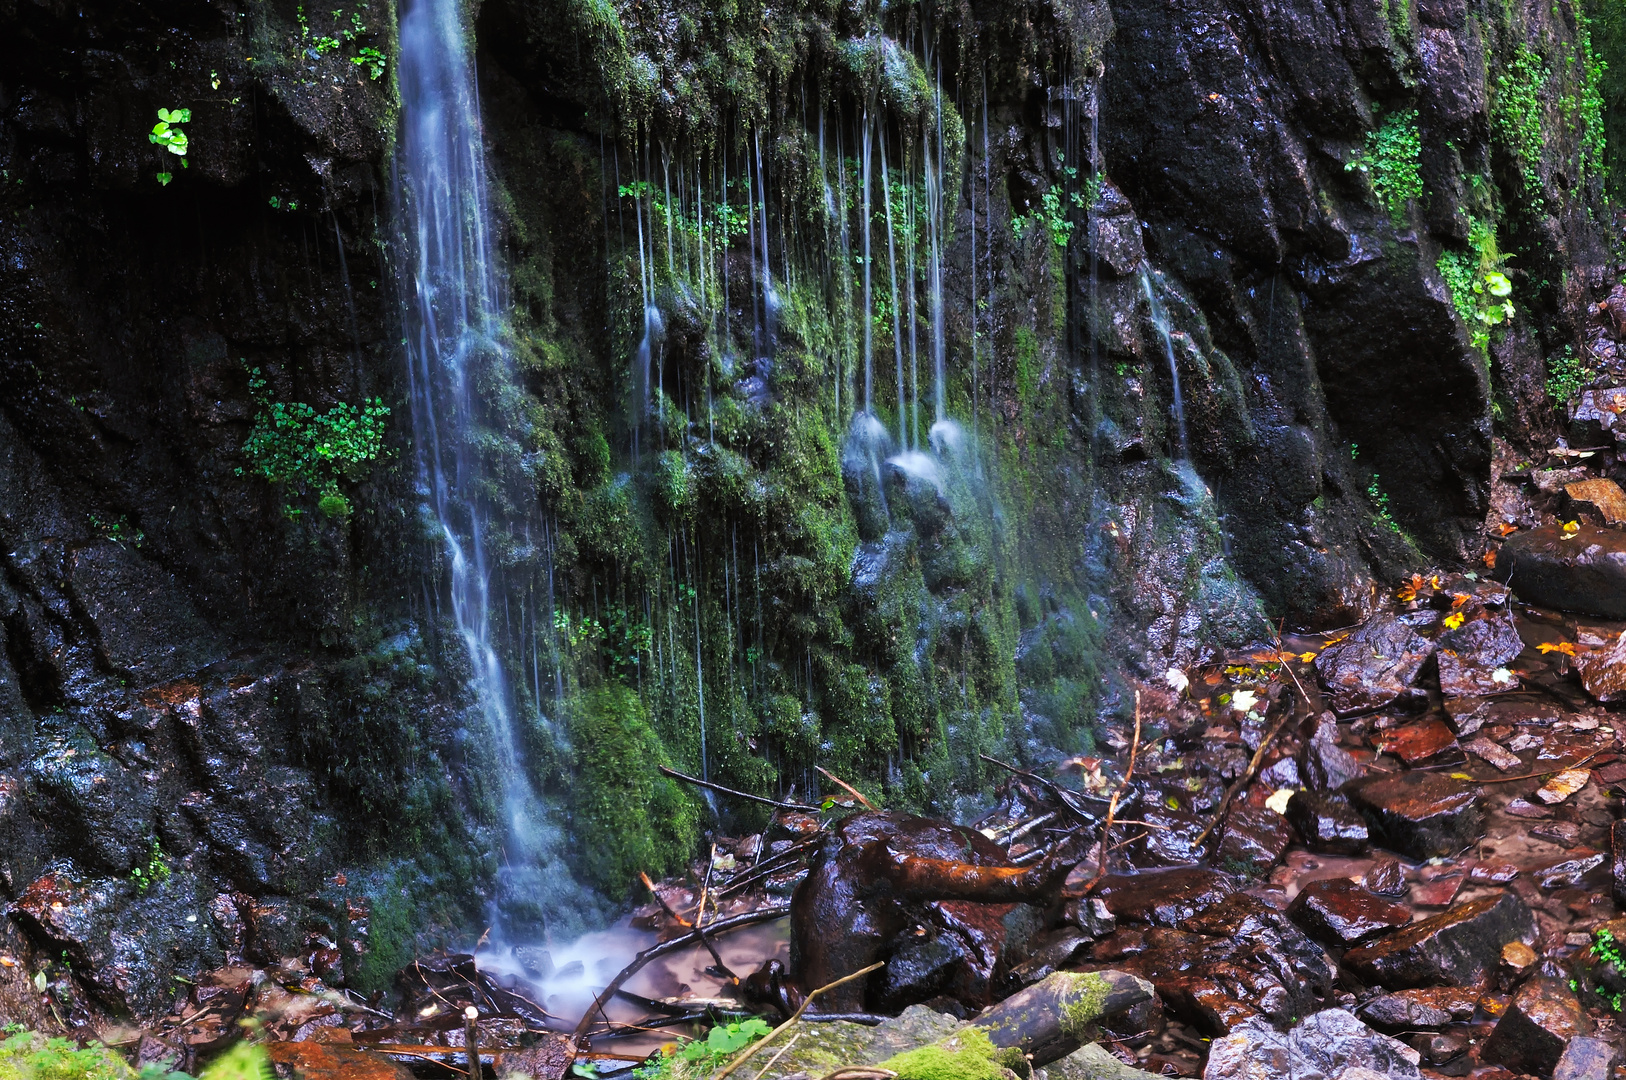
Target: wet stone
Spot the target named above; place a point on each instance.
(1386, 878)
(1617, 863)
(1568, 872)
(1326, 822)
(1552, 481)
(1341, 913)
(1163, 897)
(1585, 572)
(1603, 672)
(1601, 496)
(1323, 764)
(1374, 666)
(1327, 1045)
(1539, 1023)
(1495, 753)
(1597, 417)
(1420, 815)
(1472, 657)
(1419, 742)
(1420, 1007)
(1254, 840)
(1587, 1058)
(1456, 946)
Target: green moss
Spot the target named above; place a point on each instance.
(628, 818)
(1079, 1017)
(965, 1055)
(28, 1055)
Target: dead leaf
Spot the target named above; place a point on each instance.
(1507, 528)
(1489, 559)
(1459, 598)
(1565, 647)
(1453, 620)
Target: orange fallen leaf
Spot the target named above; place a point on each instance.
(1434, 581)
(1335, 639)
(1507, 528)
(1405, 594)
(1459, 598)
(1489, 558)
(1565, 647)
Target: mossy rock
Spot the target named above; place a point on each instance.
(823, 1047)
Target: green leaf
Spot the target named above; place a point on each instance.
(164, 178)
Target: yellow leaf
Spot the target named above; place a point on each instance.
(1565, 647)
(1460, 776)
(1306, 657)
(1453, 620)
(1572, 526)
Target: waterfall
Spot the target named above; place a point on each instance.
(1160, 320)
(453, 327)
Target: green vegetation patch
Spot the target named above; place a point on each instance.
(1516, 114)
(294, 444)
(1390, 160)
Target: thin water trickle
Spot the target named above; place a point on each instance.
(1160, 320)
(453, 312)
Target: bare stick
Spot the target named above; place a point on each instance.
(775, 1059)
(697, 782)
(795, 1016)
(848, 788)
(1245, 779)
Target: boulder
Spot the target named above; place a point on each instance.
(1374, 666)
(1597, 421)
(1324, 764)
(1326, 822)
(1584, 571)
(1421, 1007)
(1457, 946)
(1253, 840)
(1538, 1025)
(1340, 913)
(1420, 815)
(1603, 671)
(1091, 1062)
(1473, 657)
(1601, 496)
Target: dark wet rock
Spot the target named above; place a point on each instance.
(1050, 1019)
(1420, 815)
(1471, 656)
(1326, 822)
(1325, 1046)
(1438, 1048)
(920, 969)
(1375, 665)
(1171, 840)
(1048, 953)
(1456, 946)
(1091, 915)
(1386, 877)
(1093, 1062)
(1114, 232)
(1603, 671)
(1322, 762)
(880, 873)
(1539, 1023)
(1587, 1058)
(1341, 913)
(1583, 571)
(1163, 897)
(1423, 1007)
(1253, 840)
(1596, 421)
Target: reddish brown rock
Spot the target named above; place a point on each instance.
(1420, 1007)
(1456, 946)
(1386, 877)
(1420, 815)
(1603, 671)
(1326, 822)
(1539, 1023)
(1341, 913)
(333, 1061)
(1374, 666)
(1253, 841)
(1163, 897)
(1415, 743)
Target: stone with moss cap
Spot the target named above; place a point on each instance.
(1051, 1018)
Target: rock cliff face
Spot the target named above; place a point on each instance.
(227, 717)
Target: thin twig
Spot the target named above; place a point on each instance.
(1112, 806)
(768, 867)
(650, 885)
(783, 1050)
(766, 1039)
(1061, 793)
(848, 788)
(697, 782)
(676, 944)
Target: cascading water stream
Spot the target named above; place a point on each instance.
(1160, 320)
(453, 312)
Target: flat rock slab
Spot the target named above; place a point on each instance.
(1163, 897)
(1539, 1023)
(1586, 1058)
(1603, 671)
(1455, 947)
(1338, 912)
(1604, 497)
(1327, 823)
(1421, 1007)
(1420, 815)
(1375, 665)
(1328, 1045)
(1584, 573)
(1091, 1062)
(1418, 742)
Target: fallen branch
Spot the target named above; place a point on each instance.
(1112, 806)
(768, 867)
(664, 948)
(848, 788)
(1244, 780)
(650, 885)
(795, 1016)
(1062, 794)
(697, 782)
(775, 1059)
